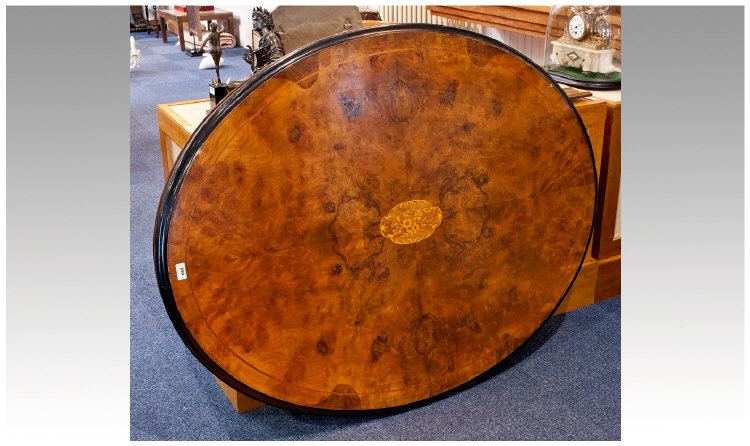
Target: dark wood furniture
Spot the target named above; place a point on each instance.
(172, 15)
(139, 22)
(529, 20)
(155, 26)
(366, 226)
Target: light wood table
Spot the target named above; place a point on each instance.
(607, 234)
(172, 15)
(582, 291)
(177, 121)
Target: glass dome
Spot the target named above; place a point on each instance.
(582, 47)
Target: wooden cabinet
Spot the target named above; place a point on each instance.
(582, 292)
(607, 234)
(607, 230)
(528, 20)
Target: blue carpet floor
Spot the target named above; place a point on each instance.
(564, 384)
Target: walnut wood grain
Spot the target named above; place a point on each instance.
(295, 297)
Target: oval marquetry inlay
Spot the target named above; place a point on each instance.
(410, 222)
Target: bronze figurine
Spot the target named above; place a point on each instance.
(215, 39)
(270, 47)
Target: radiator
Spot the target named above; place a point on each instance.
(532, 47)
(420, 14)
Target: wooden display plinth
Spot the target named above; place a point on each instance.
(608, 279)
(607, 236)
(583, 290)
(241, 402)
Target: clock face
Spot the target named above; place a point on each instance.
(576, 27)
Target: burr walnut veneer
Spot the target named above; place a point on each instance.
(376, 219)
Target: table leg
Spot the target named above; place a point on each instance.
(148, 21)
(166, 162)
(156, 21)
(163, 25)
(182, 36)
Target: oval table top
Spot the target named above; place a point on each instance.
(375, 219)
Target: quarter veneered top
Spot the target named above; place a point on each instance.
(295, 294)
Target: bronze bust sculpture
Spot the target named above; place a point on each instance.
(270, 47)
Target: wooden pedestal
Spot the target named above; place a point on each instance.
(607, 236)
(241, 402)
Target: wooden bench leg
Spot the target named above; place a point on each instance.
(157, 25)
(163, 26)
(182, 36)
(241, 402)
